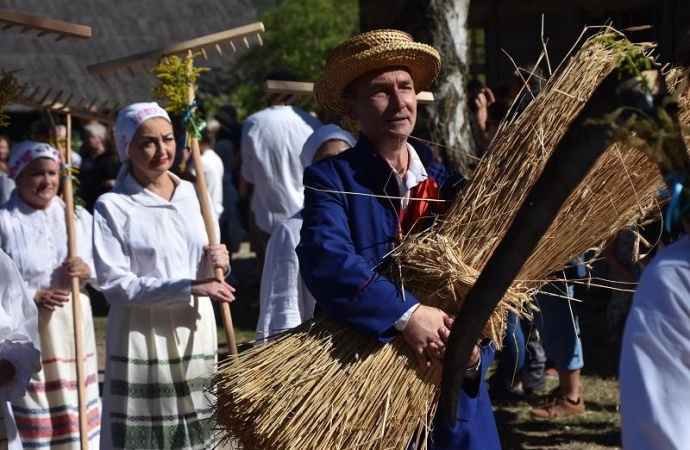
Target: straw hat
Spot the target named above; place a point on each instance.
(370, 51)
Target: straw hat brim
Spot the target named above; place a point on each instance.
(422, 61)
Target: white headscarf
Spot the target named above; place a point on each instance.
(323, 134)
(25, 152)
(128, 122)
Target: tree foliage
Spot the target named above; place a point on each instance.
(299, 34)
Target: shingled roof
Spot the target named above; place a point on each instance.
(119, 28)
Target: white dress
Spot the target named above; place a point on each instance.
(655, 355)
(284, 300)
(18, 344)
(161, 342)
(36, 240)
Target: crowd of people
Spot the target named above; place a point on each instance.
(326, 206)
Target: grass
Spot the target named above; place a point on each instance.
(599, 427)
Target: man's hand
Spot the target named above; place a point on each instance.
(476, 351)
(426, 332)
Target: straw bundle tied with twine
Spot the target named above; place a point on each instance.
(324, 386)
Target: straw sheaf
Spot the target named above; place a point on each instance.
(621, 187)
(370, 51)
(324, 386)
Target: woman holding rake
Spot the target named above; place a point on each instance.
(155, 267)
(33, 233)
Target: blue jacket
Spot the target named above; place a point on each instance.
(351, 216)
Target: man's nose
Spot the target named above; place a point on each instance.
(397, 99)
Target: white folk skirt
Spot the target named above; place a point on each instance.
(47, 416)
(158, 374)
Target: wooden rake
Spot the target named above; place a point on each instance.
(234, 38)
(43, 25)
(244, 36)
(63, 102)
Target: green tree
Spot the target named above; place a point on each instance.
(299, 34)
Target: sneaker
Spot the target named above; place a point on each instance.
(558, 406)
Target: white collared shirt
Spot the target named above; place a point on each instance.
(36, 240)
(416, 174)
(148, 249)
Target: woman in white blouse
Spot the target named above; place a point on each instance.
(284, 300)
(33, 233)
(155, 267)
(19, 355)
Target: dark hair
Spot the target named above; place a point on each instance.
(208, 137)
(230, 126)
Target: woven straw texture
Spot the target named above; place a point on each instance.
(370, 51)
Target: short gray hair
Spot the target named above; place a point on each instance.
(95, 129)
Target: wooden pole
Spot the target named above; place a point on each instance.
(67, 190)
(209, 223)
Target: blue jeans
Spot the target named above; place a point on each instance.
(559, 326)
(522, 357)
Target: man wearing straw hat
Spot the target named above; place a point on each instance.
(359, 204)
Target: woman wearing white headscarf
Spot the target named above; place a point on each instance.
(155, 267)
(33, 233)
(19, 355)
(284, 300)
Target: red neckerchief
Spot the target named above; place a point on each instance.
(414, 217)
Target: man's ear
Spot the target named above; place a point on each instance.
(350, 109)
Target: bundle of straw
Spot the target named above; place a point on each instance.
(323, 386)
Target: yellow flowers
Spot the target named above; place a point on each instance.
(177, 83)
(176, 77)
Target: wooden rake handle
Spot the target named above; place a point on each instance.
(570, 162)
(209, 224)
(67, 189)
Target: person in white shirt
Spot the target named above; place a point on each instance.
(33, 232)
(284, 300)
(272, 140)
(155, 267)
(20, 357)
(654, 368)
(655, 355)
(213, 171)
